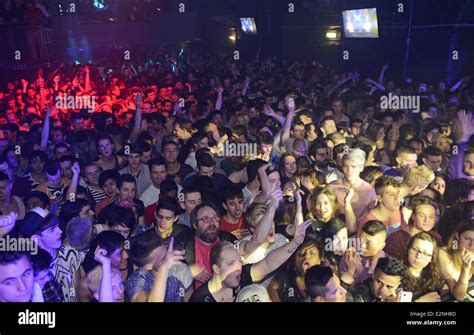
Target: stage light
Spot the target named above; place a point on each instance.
(331, 35)
(100, 4)
(232, 37)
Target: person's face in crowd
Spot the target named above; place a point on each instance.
(117, 286)
(340, 242)
(384, 286)
(121, 229)
(147, 108)
(134, 160)
(306, 257)
(12, 118)
(433, 112)
(163, 93)
(299, 149)
(31, 93)
(356, 128)
(12, 159)
(78, 124)
(116, 90)
(290, 165)
(60, 152)
(86, 212)
(127, 191)
(5, 189)
(50, 238)
(240, 121)
(66, 169)
(234, 207)
(468, 165)
(439, 184)
(204, 143)
(54, 181)
(170, 153)
(207, 225)
(124, 259)
(424, 217)
(351, 170)
(337, 106)
(431, 134)
(390, 198)
(329, 127)
(33, 202)
(420, 254)
(466, 240)
(57, 137)
(323, 208)
(334, 291)
(227, 84)
(321, 158)
(298, 132)
(168, 106)
(37, 164)
(191, 200)
(406, 161)
(253, 112)
(229, 258)
(372, 245)
(441, 143)
(179, 132)
(165, 219)
(206, 171)
(275, 180)
(158, 174)
(128, 118)
(92, 173)
(42, 277)
(110, 188)
(106, 148)
(387, 121)
(433, 162)
(16, 281)
(217, 119)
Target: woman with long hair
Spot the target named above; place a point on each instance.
(334, 241)
(456, 262)
(423, 276)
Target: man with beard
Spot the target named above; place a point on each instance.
(229, 276)
(383, 285)
(319, 154)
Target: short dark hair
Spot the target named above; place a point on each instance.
(121, 216)
(391, 266)
(165, 143)
(9, 257)
(43, 197)
(40, 154)
(126, 178)
(316, 279)
(264, 137)
(4, 176)
(156, 161)
(142, 245)
(206, 160)
(431, 151)
(41, 261)
(109, 174)
(168, 203)
(384, 181)
(373, 227)
(232, 193)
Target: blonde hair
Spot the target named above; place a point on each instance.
(419, 176)
(94, 278)
(356, 155)
(338, 138)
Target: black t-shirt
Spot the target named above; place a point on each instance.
(181, 234)
(104, 214)
(363, 293)
(203, 294)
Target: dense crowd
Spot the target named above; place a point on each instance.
(188, 176)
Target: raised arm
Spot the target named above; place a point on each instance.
(279, 256)
(138, 120)
(264, 226)
(72, 189)
(219, 98)
(265, 185)
(285, 135)
(45, 131)
(106, 290)
(173, 257)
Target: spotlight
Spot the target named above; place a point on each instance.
(100, 4)
(232, 37)
(331, 35)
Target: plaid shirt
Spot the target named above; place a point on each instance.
(52, 291)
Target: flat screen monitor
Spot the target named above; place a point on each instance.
(360, 23)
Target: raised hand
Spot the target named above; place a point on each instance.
(7, 222)
(199, 273)
(100, 255)
(76, 169)
(353, 260)
(173, 257)
(350, 192)
(275, 198)
(300, 232)
(467, 258)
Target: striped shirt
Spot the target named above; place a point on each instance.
(97, 195)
